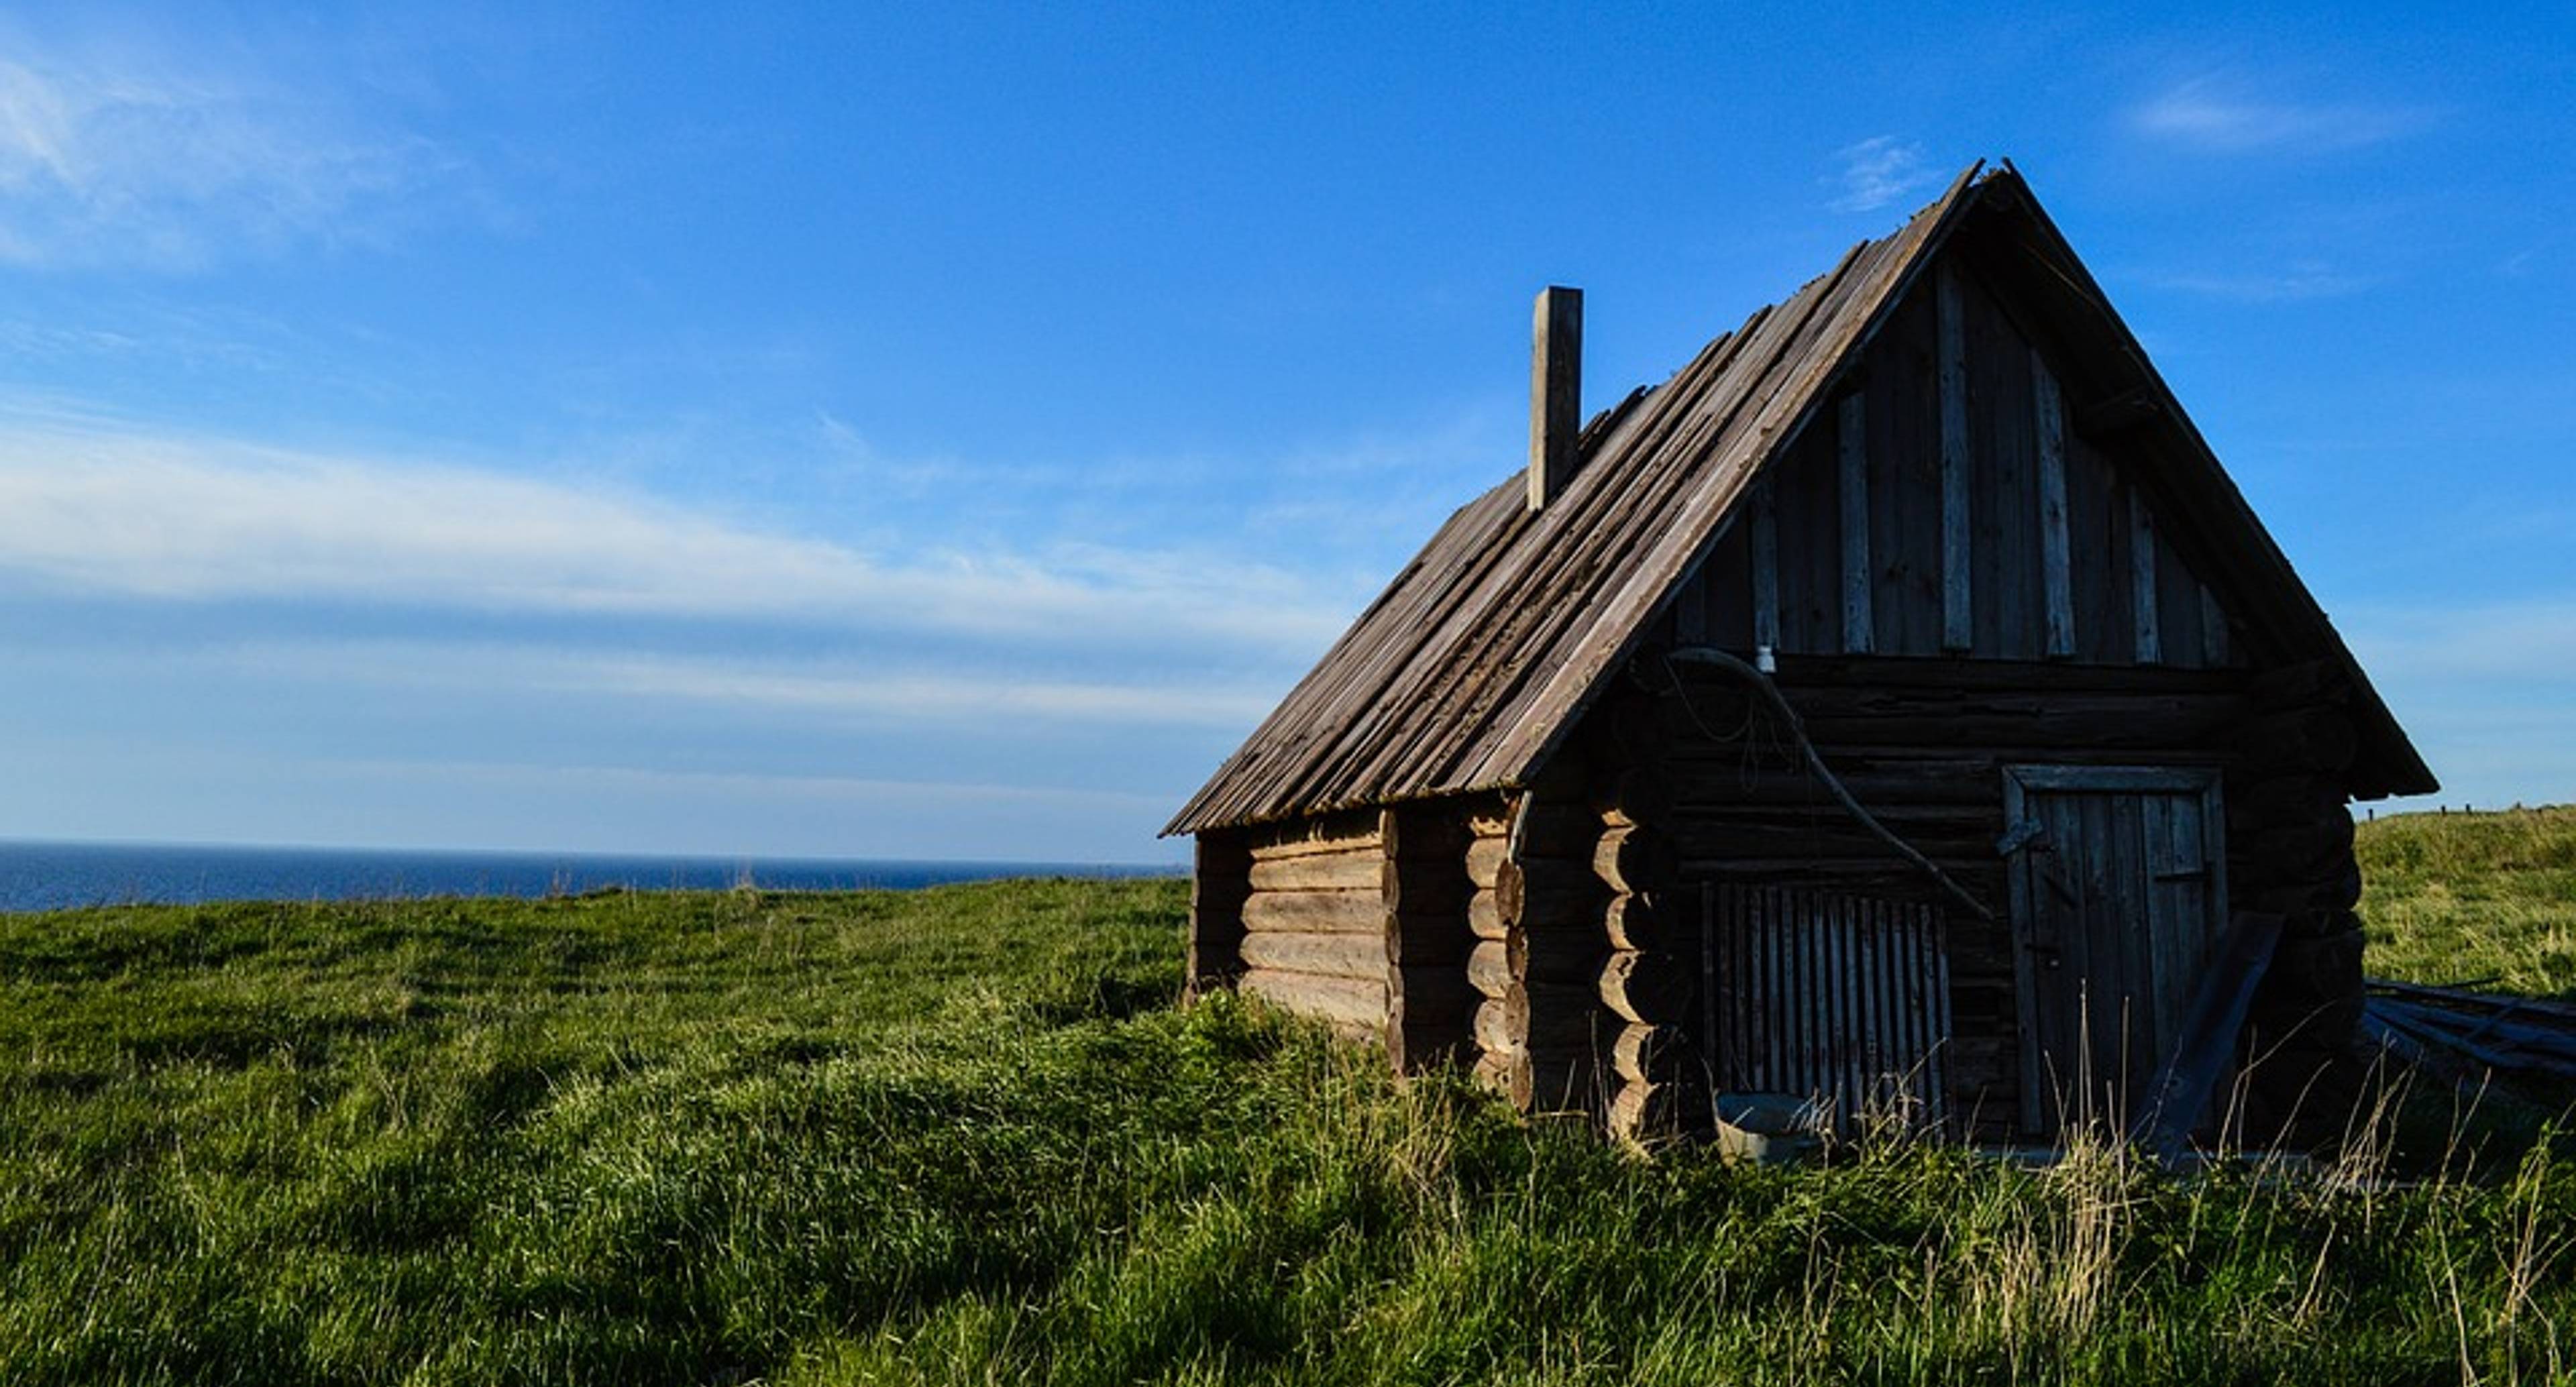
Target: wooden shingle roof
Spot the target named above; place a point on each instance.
(1483, 652)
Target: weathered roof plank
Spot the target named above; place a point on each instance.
(1471, 668)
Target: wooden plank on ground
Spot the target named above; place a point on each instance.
(2181, 1088)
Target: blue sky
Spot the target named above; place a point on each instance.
(943, 431)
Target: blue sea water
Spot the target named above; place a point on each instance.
(53, 876)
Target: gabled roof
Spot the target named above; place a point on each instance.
(1485, 650)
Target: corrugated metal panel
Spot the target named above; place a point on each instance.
(1843, 1000)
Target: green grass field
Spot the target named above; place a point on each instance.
(2474, 898)
(962, 1135)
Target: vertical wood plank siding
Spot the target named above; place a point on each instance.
(1958, 629)
(2145, 602)
(1766, 569)
(1851, 455)
(1852, 544)
(2056, 564)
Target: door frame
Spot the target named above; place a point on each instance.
(2021, 781)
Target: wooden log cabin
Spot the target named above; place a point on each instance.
(1896, 713)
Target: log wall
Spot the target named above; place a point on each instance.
(1314, 922)
(2290, 853)
(1551, 936)
(1922, 744)
(1220, 883)
(1498, 960)
(1423, 899)
(1578, 992)
(1357, 919)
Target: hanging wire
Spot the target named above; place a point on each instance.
(1769, 695)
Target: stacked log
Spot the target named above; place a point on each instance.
(1220, 883)
(1424, 889)
(1579, 993)
(1642, 984)
(1537, 953)
(2290, 853)
(1314, 933)
(1496, 958)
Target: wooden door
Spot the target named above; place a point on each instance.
(2119, 897)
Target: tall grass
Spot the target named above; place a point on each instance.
(959, 1135)
(2487, 898)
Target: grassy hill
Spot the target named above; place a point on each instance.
(2473, 898)
(960, 1135)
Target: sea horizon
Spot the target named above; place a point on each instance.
(63, 874)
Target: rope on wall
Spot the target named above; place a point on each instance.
(1761, 684)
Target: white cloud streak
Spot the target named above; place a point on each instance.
(890, 690)
(192, 521)
(122, 156)
(2481, 646)
(839, 788)
(1877, 171)
(2298, 283)
(2488, 692)
(2219, 114)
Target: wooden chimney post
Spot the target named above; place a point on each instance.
(1556, 392)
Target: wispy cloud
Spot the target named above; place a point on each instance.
(119, 154)
(1877, 171)
(806, 787)
(2298, 282)
(2488, 691)
(890, 688)
(2220, 113)
(183, 519)
(2520, 643)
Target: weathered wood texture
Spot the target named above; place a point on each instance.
(2119, 896)
(1354, 1006)
(1327, 909)
(1941, 486)
(1955, 510)
(1313, 912)
(1352, 955)
(1466, 672)
(1840, 1000)
(1353, 870)
(2290, 854)
(1313, 833)
(1543, 1031)
(1636, 998)
(1220, 882)
(1922, 744)
(1473, 668)
(1556, 393)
